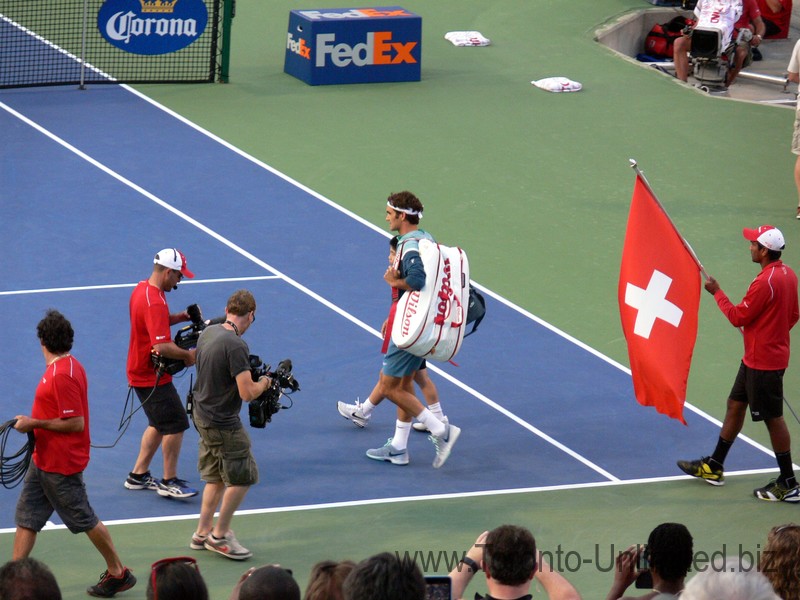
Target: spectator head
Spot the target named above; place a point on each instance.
(731, 581)
(55, 332)
(669, 550)
(509, 556)
(326, 580)
(270, 582)
(385, 577)
(176, 579)
(781, 558)
(28, 579)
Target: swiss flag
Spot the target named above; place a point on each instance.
(659, 298)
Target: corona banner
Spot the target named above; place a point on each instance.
(152, 26)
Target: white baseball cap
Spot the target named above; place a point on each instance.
(172, 258)
(766, 235)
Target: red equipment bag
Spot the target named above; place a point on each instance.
(659, 42)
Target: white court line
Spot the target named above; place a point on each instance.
(111, 286)
(377, 501)
(127, 182)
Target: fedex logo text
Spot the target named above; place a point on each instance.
(379, 49)
(298, 46)
(359, 13)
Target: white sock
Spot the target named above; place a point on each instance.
(434, 425)
(401, 431)
(367, 407)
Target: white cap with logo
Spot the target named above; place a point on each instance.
(172, 258)
(768, 236)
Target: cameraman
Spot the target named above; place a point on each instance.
(225, 459)
(166, 417)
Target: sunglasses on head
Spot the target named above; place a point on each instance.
(159, 564)
(785, 527)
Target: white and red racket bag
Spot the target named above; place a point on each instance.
(430, 322)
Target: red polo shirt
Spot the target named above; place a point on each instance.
(767, 312)
(62, 393)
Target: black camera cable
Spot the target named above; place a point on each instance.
(127, 413)
(14, 466)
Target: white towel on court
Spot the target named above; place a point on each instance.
(467, 38)
(557, 84)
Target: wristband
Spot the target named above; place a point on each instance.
(471, 564)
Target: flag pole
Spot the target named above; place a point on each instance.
(635, 167)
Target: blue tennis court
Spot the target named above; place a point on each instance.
(100, 180)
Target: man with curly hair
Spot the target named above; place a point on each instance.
(59, 420)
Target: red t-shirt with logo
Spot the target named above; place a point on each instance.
(62, 393)
(149, 314)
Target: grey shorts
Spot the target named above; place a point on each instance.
(164, 409)
(399, 363)
(43, 493)
(224, 455)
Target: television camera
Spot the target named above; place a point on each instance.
(186, 339)
(283, 384)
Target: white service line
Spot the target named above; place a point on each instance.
(111, 286)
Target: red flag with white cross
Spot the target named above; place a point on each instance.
(659, 298)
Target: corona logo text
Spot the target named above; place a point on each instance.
(379, 49)
(152, 26)
(123, 26)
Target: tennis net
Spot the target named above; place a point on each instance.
(63, 42)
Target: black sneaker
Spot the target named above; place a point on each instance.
(110, 585)
(702, 469)
(141, 482)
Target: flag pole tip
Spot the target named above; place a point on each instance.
(633, 162)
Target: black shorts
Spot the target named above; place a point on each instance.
(43, 493)
(761, 390)
(164, 409)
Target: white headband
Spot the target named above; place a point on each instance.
(408, 211)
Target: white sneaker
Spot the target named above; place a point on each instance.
(228, 546)
(444, 444)
(389, 453)
(352, 412)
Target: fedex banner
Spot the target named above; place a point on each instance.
(354, 45)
